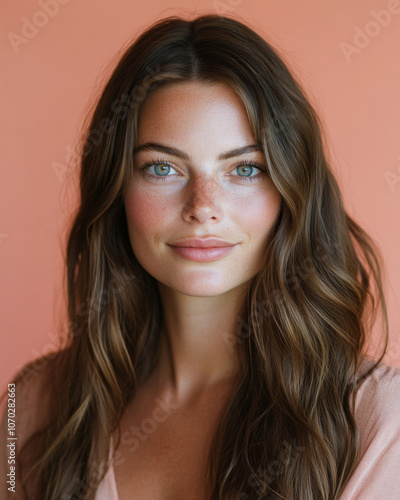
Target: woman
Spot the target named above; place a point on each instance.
(219, 295)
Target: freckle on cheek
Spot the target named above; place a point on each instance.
(145, 211)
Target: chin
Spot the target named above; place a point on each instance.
(201, 286)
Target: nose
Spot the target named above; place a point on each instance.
(202, 200)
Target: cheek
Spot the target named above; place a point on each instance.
(143, 211)
(258, 212)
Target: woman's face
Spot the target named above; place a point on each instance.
(198, 184)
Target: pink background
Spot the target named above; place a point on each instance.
(51, 80)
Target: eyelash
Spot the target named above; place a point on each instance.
(158, 161)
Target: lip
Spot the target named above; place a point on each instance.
(202, 243)
(202, 249)
(202, 254)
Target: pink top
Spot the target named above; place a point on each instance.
(377, 414)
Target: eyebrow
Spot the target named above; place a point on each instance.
(153, 146)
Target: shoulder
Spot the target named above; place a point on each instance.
(377, 415)
(32, 396)
(25, 410)
(378, 398)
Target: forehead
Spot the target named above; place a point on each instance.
(193, 111)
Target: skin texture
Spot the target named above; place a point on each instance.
(198, 196)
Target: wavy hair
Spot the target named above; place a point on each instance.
(288, 431)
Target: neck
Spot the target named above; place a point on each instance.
(199, 347)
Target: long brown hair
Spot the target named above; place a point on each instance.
(289, 430)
